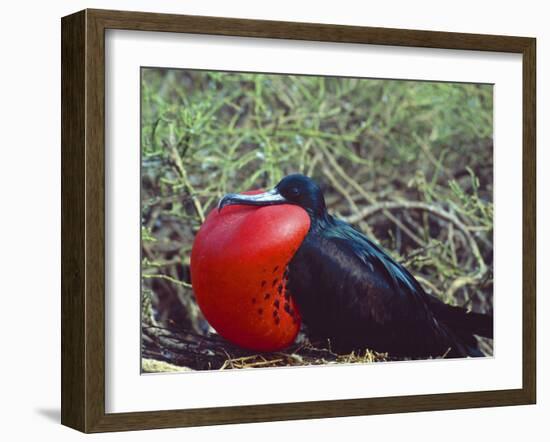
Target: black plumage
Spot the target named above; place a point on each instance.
(351, 292)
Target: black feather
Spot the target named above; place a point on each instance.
(350, 291)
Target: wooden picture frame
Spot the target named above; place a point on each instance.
(83, 219)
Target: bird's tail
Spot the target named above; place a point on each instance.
(479, 324)
(460, 320)
(463, 325)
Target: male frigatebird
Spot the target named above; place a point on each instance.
(350, 291)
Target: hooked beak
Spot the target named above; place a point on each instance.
(268, 198)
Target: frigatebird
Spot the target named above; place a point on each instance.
(351, 292)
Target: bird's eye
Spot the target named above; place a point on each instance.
(294, 191)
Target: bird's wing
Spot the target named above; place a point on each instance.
(404, 284)
(398, 280)
(344, 274)
(349, 288)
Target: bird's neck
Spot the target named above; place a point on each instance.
(320, 220)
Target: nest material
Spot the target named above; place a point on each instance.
(211, 352)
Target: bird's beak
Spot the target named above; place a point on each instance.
(268, 198)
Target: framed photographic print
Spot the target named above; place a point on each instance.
(271, 220)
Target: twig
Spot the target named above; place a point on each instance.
(336, 184)
(428, 284)
(168, 278)
(178, 162)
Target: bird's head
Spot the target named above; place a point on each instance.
(294, 189)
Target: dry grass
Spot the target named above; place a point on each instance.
(211, 352)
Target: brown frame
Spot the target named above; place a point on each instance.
(83, 216)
